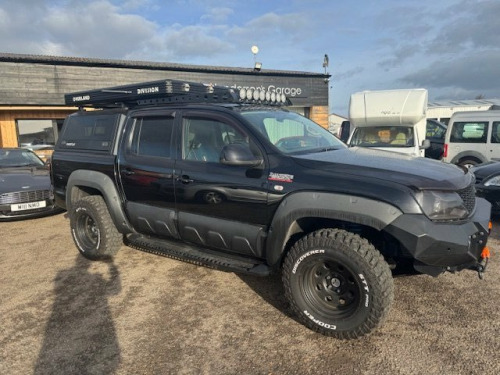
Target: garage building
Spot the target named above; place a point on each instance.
(32, 89)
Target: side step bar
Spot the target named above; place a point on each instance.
(194, 255)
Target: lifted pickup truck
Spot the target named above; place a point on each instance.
(232, 181)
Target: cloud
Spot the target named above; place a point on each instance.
(192, 41)
(217, 15)
(96, 29)
(400, 55)
(470, 75)
(472, 25)
(348, 73)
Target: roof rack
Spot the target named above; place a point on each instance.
(170, 91)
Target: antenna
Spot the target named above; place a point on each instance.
(326, 61)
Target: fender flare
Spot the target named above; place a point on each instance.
(106, 186)
(358, 210)
(468, 153)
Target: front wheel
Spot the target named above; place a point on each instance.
(337, 283)
(93, 230)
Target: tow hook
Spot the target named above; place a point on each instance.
(481, 267)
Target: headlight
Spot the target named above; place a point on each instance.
(494, 181)
(440, 205)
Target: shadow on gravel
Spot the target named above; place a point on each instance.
(271, 290)
(80, 336)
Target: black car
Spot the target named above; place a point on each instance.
(25, 188)
(488, 183)
(435, 132)
(233, 181)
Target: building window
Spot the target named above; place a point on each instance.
(37, 132)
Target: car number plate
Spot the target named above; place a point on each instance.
(27, 206)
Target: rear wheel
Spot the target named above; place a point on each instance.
(469, 162)
(337, 283)
(93, 230)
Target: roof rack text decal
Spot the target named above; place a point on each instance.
(148, 90)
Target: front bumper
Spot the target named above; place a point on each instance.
(6, 214)
(438, 247)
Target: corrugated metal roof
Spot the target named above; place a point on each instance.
(462, 103)
(84, 61)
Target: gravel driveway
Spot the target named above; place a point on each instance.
(146, 314)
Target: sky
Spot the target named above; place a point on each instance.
(449, 47)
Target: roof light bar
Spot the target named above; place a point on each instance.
(170, 91)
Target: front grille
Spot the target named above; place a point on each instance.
(24, 196)
(468, 195)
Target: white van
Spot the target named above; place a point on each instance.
(392, 120)
(472, 138)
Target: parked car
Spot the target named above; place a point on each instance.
(473, 138)
(488, 183)
(435, 133)
(25, 188)
(43, 151)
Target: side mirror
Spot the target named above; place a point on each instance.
(239, 154)
(425, 144)
(345, 130)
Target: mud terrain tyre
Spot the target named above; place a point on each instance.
(93, 230)
(337, 283)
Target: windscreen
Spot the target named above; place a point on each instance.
(292, 133)
(383, 136)
(10, 158)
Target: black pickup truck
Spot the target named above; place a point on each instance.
(233, 181)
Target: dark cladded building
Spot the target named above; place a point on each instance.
(32, 89)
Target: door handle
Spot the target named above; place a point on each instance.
(185, 179)
(128, 172)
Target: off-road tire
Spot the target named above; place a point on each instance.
(93, 230)
(337, 283)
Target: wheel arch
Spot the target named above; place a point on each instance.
(83, 183)
(469, 154)
(304, 212)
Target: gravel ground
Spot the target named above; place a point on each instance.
(145, 314)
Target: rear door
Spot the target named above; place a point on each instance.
(219, 206)
(495, 141)
(146, 166)
(435, 133)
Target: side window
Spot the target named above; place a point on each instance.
(495, 132)
(203, 138)
(433, 130)
(152, 136)
(469, 132)
(91, 132)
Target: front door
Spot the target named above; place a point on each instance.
(219, 206)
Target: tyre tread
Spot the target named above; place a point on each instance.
(381, 302)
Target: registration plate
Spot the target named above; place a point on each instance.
(27, 206)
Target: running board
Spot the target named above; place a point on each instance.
(194, 255)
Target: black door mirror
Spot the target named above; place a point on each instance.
(239, 154)
(345, 130)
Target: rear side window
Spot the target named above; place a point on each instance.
(92, 132)
(495, 132)
(152, 136)
(469, 132)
